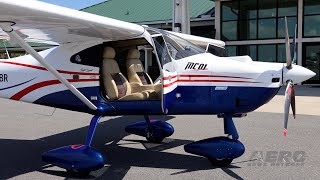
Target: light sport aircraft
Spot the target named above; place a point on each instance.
(96, 68)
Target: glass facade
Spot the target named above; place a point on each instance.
(263, 52)
(260, 24)
(257, 19)
(311, 52)
(311, 18)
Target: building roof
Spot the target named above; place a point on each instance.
(146, 10)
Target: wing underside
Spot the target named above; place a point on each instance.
(41, 22)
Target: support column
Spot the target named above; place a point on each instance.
(181, 17)
(300, 31)
(185, 23)
(217, 19)
(177, 15)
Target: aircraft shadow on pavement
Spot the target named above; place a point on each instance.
(19, 157)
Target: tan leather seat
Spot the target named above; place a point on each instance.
(116, 85)
(139, 80)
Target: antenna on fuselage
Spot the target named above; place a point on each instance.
(5, 47)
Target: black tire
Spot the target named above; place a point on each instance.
(154, 140)
(78, 174)
(220, 162)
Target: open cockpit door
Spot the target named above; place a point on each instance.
(169, 75)
(169, 90)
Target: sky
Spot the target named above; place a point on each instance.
(74, 4)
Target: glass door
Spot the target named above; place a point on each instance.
(311, 60)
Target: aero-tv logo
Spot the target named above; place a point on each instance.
(278, 158)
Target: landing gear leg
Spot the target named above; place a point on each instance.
(220, 151)
(79, 160)
(153, 131)
(232, 134)
(229, 128)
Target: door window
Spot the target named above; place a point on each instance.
(312, 60)
(162, 51)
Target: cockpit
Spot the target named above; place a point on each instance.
(172, 45)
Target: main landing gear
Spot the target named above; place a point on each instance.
(153, 131)
(79, 160)
(220, 151)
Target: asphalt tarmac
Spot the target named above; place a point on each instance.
(27, 130)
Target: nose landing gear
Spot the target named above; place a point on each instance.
(220, 151)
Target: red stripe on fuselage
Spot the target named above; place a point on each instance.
(206, 76)
(44, 69)
(235, 81)
(201, 81)
(212, 76)
(168, 85)
(31, 88)
(167, 78)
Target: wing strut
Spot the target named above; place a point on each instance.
(6, 26)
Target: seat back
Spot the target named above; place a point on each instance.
(115, 84)
(135, 70)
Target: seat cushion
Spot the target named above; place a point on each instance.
(135, 97)
(145, 80)
(152, 95)
(121, 85)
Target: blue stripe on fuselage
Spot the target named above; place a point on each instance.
(193, 100)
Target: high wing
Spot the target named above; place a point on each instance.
(37, 21)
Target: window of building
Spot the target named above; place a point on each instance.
(250, 50)
(311, 56)
(267, 8)
(311, 7)
(287, 8)
(311, 18)
(230, 10)
(230, 30)
(257, 19)
(311, 26)
(267, 53)
(263, 53)
(292, 22)
(231, 50)
(267, 28)
(248, 9)
(248, 29)
(281, 53)
(204, 31)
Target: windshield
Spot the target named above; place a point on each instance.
(177, 47)
(180, 48)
